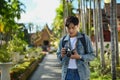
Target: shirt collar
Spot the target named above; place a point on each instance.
(79, 35)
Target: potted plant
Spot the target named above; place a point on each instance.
(16, 47)
(5, 64)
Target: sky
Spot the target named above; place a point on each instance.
(102, 3)
(39, 12)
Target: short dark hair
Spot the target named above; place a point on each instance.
(71, 19)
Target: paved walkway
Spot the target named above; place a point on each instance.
(49, 69)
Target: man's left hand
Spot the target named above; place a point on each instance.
(75, 55)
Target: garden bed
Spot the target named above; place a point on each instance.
(23, 72)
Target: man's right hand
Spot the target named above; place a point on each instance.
(63, 52)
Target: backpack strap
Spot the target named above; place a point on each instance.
(83, 41)
(63, 42)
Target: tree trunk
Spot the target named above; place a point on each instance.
(113, 53)
(66, 8)
(63, 33)
(84, 17)
(82, 21)
(0, 39)
(101, 35)
(116, 35)
(79, 10)
(96, 29)
(90, 18)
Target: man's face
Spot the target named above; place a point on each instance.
(72, 30)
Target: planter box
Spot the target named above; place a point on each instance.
(28, 72)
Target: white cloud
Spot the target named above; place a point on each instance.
(40, 11)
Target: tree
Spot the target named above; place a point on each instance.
(10, 10)
(101, 34)
(116, 36)
(64, 16)
(60, 18)
(89, 25)
(58, 21)
(84, 16)
(95, 26)
(113, 25)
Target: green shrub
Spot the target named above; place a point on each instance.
(5, 56)
(98, 74)
(20, 68)
(16, 45)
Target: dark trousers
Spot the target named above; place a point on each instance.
(72, 74)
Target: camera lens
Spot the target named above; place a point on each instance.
(68, 54)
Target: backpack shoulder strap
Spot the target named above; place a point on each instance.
(83, 41)
(63, 42)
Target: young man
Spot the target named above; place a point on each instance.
(71, 52)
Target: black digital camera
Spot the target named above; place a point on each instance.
(69, 52)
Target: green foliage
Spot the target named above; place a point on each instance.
(58, 20)
(5, 56)
(16, 45)
(107, 46)
(97, 73)
(37, 50)
(10, 11)
(20, 68)
(95, 68)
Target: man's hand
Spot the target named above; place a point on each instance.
(63, 52)
(75, 55)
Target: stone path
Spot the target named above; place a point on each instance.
(48, 69)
